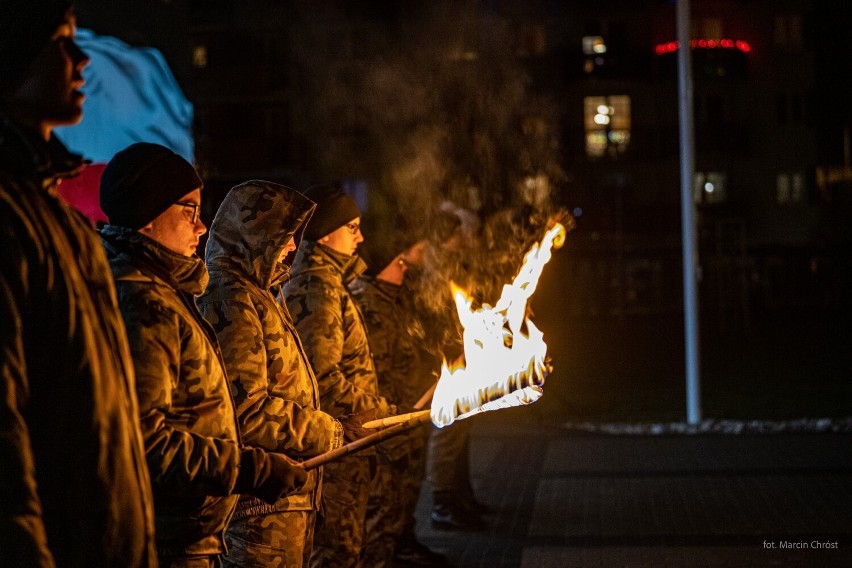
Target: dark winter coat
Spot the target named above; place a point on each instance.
(74, 490)
(186, 410)
(276, 392)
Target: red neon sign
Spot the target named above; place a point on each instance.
(668, 47)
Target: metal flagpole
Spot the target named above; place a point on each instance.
(687, 206)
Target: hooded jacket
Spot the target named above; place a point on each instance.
(332, 329)
(185, 406)
(278, 402)
(72, 463)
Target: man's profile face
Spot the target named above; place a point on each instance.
(345, 239)
(49, 94)
(289, 247)
(175, 228)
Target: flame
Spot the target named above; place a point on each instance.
(504, 352)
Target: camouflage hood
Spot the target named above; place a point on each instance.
(254, 223)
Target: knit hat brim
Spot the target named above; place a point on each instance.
(334, 209)
(142, 181)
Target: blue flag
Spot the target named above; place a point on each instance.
(131, 96)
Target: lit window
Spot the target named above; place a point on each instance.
(607, 124)
(707, 27)
(797, 187)
(199, 56)
(710, 187)
(594, 49)
(789, 187)
(593, 45)
(782, 188)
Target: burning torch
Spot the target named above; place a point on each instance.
(500, 341)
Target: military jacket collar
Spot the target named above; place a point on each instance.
(316, 256)
(134, 253)
(26, 153)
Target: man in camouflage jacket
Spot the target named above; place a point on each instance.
(403, 377)
(197, 461)
(249, 251)
(335, 340)
(74, 489)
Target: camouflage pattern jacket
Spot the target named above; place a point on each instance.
(276, 392)
(402, 375)
(332, 329)
(72, 463)
(187, 414)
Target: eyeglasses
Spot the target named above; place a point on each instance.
(195, 207)
(353, 228)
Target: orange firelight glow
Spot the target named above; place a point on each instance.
(504, 352)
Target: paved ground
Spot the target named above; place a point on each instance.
(563, 498)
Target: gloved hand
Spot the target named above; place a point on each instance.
(352, 424)
(268, 475)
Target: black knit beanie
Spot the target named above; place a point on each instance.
(142, 181)
(26, 26)
(334, 209)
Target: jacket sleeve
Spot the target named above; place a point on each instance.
(22, 531)
(265, 420)
(317, 313)
(178, 460)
